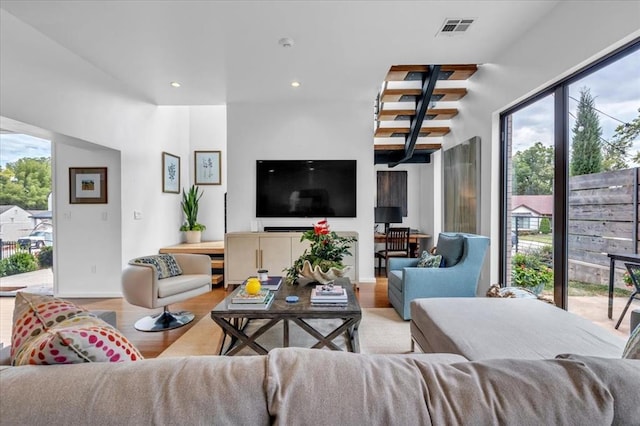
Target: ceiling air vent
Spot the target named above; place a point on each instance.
(455, 26)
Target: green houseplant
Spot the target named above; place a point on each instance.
(322, 261)
(190, 203)
(528, 271)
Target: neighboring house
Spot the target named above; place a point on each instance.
(41, 216)
(15, 222)
(528, 210)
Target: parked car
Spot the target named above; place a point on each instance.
(37, 239)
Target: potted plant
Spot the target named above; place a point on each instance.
(191, 227)
(322, 261)
(528, 271)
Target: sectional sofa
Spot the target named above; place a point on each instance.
(295, 386)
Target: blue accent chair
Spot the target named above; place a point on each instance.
(407, 282)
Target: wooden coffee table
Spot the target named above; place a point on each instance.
(234, 322)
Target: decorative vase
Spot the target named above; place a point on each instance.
(318, 275)
(193, 237)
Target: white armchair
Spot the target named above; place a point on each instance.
(159, 280)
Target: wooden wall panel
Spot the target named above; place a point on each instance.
(392, 190)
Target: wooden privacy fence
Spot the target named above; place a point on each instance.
(603, 218)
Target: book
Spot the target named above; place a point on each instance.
(322, 290)
(254, 306)
(242, 297)
(272, 283)
(340, 298)
(327, 303)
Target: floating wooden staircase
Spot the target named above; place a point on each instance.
(414, 91)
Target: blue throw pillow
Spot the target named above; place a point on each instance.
(428, 260)
(165, 264)
(451, 248)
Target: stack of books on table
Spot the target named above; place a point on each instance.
(272, 283)
(245, 301)
(329, 296)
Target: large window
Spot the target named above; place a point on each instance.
(570, 182)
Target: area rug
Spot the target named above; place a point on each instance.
(381, 331)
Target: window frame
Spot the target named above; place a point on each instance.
(560, 90)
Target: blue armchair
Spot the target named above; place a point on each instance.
(407, 282)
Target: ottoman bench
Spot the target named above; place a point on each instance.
(487, 328)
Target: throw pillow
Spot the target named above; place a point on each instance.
(451, 248)
(34, 313)
(632, 348)
(77, 340)
(428, 260)
(165, 264)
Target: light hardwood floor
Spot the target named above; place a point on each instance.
(152, 344)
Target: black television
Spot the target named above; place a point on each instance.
(306, 188)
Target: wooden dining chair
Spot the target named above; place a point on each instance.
(396, 245)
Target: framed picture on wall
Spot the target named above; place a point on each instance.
(170, 173)
(207, 168)
(87, 185)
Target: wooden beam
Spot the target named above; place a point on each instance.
(447, 72)
(432, 114)
(400, 147)
(441, 94)
(387, 132)
(459, 72)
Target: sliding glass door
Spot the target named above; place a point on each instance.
(570, 158)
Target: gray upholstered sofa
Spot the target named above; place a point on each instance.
(483, 328)
(303, 386)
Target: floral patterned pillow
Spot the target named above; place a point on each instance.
(429, 261)
(34, 313)
(47, 330)
(77, 340)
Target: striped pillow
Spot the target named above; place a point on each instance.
(165, 264)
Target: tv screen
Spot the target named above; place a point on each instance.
(306, 188)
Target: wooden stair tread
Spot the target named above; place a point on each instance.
(217, 278)
(414, 72)
(405, 114)
(439, 94)
(386, 132)
(217, 263)
(400, 147)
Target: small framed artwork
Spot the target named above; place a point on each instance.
(87, 185)
(207, 168)
(170, 173)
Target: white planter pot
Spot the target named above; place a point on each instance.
(193, 237)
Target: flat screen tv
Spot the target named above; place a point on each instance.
(306, 188)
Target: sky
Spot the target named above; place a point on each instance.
(616, 89)
(14, 146)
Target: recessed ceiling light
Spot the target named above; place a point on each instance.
(174, 84)
(295, 84)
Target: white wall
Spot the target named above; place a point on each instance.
(290, 131)
(208, 132)
(88, 105)
(572, 35)
(86, 236)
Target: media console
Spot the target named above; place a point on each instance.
(246, 252)
(287, 228)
